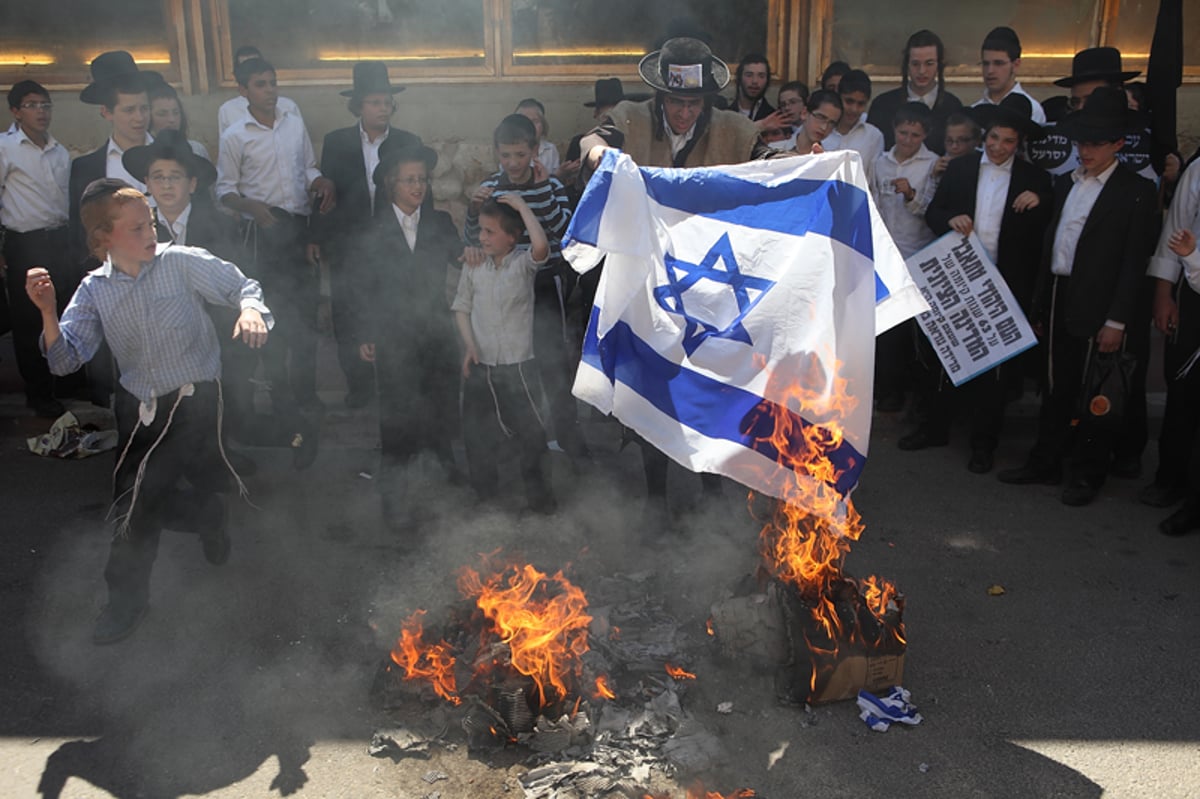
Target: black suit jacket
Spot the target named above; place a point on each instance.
(342, 162)
(1019, 250)
(885, 106)
(402, 296)
(1109, 269)
(207, 227)
(84, 170)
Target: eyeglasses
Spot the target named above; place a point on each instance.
(822, 120)
(413, 181)
(35, 106)
(167, 180)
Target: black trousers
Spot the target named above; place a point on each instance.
(1066, 436)
(1181, 419)
(359, 376)
(22, 252)
(418, 401)
(555, 358)
(291, 289)
(983, 399)
(499, 403)
(176, 448)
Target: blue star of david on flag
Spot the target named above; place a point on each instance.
(683, 276)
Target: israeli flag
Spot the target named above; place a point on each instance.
(724, 290)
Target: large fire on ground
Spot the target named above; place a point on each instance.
(530, 625)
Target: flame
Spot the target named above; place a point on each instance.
(679, 674)
(697, 791)
(420, 661)
(808, 534)
(708, 627)
(541, 619)
(602, 689)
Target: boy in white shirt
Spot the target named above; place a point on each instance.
(493, 310)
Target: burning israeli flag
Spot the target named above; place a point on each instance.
(734, 323)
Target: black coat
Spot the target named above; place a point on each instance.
(1109, 269)
(401, 297)
(342, 162)
(84, 170)
(885, 106)
(1019, 250)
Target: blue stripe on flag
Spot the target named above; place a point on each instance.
(715, 409)
(585, 227)
(830, 208)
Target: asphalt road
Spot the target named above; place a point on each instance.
(252, 679)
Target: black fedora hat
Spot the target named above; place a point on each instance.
(115, 67)
(400, 154)
(610, 91)
(684, 66)
(1014, 111)
(169, 144)
(371, 77)
(1097, 63)
(1105, 116)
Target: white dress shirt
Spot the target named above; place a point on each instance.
(178, 228)
(114, 168)
(678, 140)
(904, 219)
(33, 183)
(1039, 114)
(370, 151)
(1182, 214)
(274, 165)
(547, 156)
(232, 110)
(1076, 209)
(864, 138)
(991, 196)
(929, 98)
(408, 223)
(500, 302)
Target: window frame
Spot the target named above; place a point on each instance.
(1104, 18)
(178, 72)
(498, 66)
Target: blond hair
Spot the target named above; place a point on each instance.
(99, 214)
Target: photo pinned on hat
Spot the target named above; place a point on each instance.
(684, 66)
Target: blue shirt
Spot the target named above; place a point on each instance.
(154, 323)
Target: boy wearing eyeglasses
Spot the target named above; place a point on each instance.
(34, 170)
(402, 281)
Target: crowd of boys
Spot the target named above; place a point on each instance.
(132, 271)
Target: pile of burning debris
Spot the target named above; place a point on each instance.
(588, 689)
(590, 692)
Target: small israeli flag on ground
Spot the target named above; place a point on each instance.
(726, 289)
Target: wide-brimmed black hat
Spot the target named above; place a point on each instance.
(1014, 111)
(371, 77)
(1105, 116)
(397, 154)
(610, 91)
(169, 144)
(115, 66)
(1097, 63)
(684, 66)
